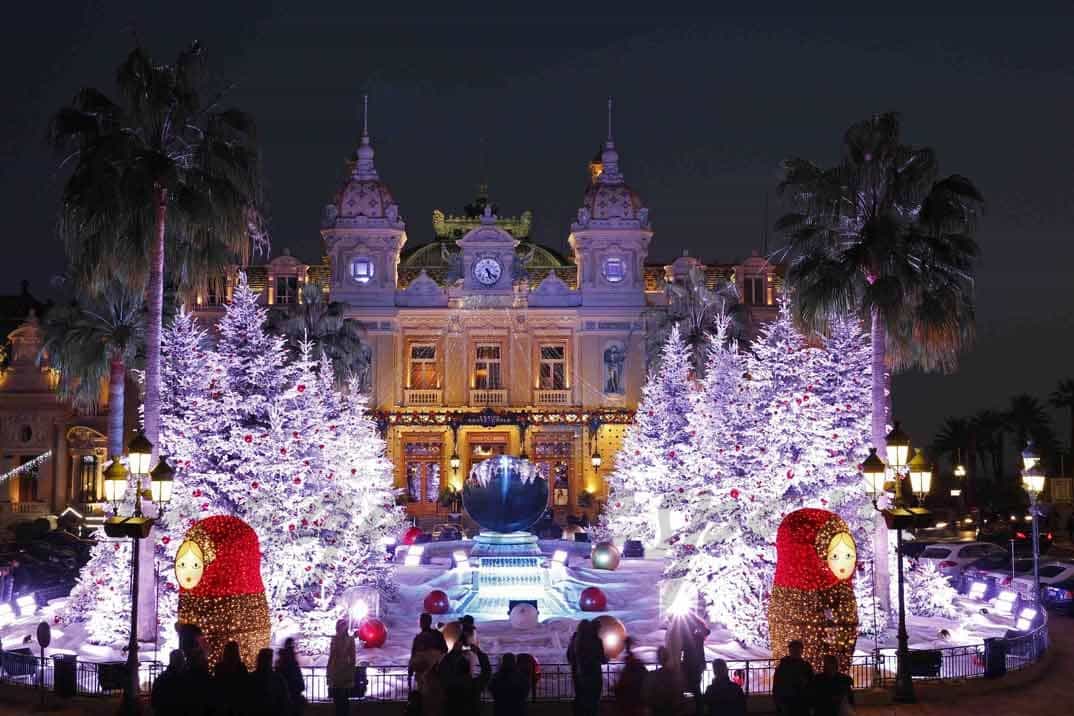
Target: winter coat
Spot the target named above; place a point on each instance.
(630, 689)
(663, 692)
(724, 698)
(509, 692)
(268, 694)
(168, 695)
(341, 662)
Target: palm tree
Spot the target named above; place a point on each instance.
(323, 323)
(694, 308)
(164, 169)
(956, 440)
(879, 235)
(990, 429)
(89, 341)
(1028, 420)
(1063, 397)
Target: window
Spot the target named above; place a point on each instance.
(614, 269)
(422, 465)
(87, 479)
(553, 457)
(423, 374)
(553, 368)
(28, 480)
(286, 289)
(936, 553)
(362, 270)
(755, 291)
(487, 374)
(1053, 570)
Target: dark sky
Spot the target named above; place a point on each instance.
(706, 108)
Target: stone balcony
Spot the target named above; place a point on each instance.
(551, 397)
(423, 397)
(488, 396)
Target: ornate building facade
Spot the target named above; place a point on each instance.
(485, 343)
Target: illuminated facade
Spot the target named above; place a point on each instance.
(484, 343)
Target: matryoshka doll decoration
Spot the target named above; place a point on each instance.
(218, 567)
(812, 599)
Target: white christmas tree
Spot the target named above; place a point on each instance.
(101, 597)
(772, 434)
(928, 591)
(647, 480)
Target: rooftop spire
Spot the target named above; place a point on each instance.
(609, 158)
(611, 106)
(363, 166)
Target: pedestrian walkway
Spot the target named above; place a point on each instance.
(1048, 696)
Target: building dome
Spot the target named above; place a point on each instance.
(611, 201)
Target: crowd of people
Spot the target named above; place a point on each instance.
(187, 686)
(450, 680)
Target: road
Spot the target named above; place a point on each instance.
(1048, 696)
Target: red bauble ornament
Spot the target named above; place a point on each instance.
(255, 484)
(734, 493)
(301, 388)
(437, 602)
(372, 633)
(248, 438)
(592, 599)
(283, 451)
(297, 481)
(411, 534)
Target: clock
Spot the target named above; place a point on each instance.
(487, 271)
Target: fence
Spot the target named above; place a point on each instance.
(392, 683)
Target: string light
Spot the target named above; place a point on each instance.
(26, 466)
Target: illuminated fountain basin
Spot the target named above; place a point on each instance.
(505, 496)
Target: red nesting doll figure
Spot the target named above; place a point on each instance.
(812, 599)
(218, 567)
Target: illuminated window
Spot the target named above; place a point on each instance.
(487, 374)
(87, 479)
(28, 480)
(422, 464)
(286, 290)
(423, 373)
(362, 270)
(755, 291)
(214, 294)
(614, 269)
(553, 367)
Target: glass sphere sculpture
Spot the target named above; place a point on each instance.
(505, 494)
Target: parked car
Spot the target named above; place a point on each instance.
(1003, 533)
(951, 557)
(1059, 596)
(1050, 573)
(994, 572)
(913, 549)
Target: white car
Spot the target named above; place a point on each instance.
(952, 557)
(1050, 573)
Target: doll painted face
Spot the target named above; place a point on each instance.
(189, 564)
(842, 556)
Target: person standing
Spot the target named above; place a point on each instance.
(167, 697)
(792, 681)
(686, 641)
(340, 671)
(269, 695)
(231, 687)
(509, 688)
(197, 684)
(427, 648)
(586, 656)
(630, 689)
(456, 676)
(287, 667)
(832, 691)
(723, 697)
(664, 687)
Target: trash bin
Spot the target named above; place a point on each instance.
(995, 657)
(64, 668)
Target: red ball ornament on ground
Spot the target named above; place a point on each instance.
(592, 599)
(437, 602)
(372, 633)
(411, 535)
(218, 569)
(612, 635)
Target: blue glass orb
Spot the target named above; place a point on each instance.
(505, 494)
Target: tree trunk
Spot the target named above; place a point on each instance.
(881, 396)
(1070, 455)
(147, 582)
(117, 385)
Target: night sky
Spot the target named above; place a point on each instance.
(706, 109)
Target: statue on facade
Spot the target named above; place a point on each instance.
(614, 359)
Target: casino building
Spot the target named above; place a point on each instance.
(481, 341)
(484, 343)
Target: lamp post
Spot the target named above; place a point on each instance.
(136, 527)
(1033, 482)
(899, 516)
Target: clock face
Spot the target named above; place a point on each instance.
(487, 271)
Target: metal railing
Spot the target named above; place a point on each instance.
(392, 683)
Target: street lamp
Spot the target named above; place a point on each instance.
(899, 517)
(115, 483)
(136, 528)
(596, 460)
(1033, 482)
(161, 480)
(1030, 456)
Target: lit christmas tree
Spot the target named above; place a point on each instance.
(928, 592)
(772, 434)
(647, 480)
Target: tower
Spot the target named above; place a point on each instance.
(363, 233)
(610, 236)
